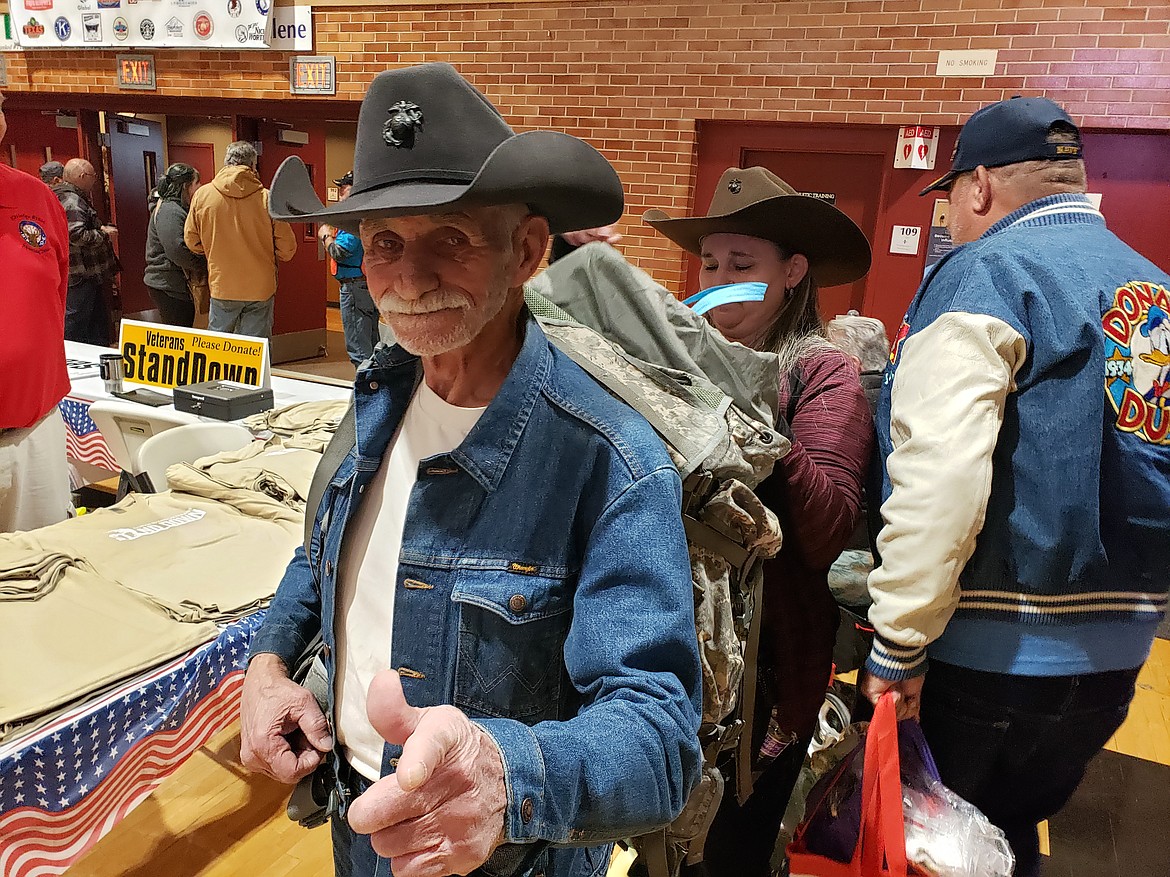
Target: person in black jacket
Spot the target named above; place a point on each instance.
(168, 261)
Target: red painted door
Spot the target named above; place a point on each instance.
(300, 294)
(854, 180)
(856, 163)
(200, 156)
(1131, 172)
(34, 138)
(136, 155)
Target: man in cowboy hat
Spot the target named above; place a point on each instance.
(1028, 478)
(504, 536)
(359, 314)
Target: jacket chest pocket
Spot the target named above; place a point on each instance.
(512, 630)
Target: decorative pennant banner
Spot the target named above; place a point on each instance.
(190, 24)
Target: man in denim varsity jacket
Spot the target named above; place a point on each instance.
(1026, 546)
(498, 569)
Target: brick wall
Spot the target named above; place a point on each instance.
(633, 77)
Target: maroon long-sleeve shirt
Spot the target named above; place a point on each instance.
(816, 492)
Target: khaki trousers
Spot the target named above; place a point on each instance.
(34, 475)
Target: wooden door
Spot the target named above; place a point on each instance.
(854, 162)
(1131, 173)
(852, 181)
(299, 330)
(34, 137)
(200, 156)
(136, 155)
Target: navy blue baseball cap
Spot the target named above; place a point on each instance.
(1009, 132)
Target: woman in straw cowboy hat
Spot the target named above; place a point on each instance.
(758, 230)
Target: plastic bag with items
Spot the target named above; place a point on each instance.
(884, 812)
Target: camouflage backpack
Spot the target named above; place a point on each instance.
(721, 454)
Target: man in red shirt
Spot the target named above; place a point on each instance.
(34, 250)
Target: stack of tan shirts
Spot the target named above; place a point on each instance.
(66, 632)
(267, 480)
(304, 425)
(195, 558)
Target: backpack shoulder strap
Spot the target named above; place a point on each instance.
(337, 450)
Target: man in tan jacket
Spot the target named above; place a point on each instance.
(229, 223)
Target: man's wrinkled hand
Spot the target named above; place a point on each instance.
(283, 732)
(907, 693)
(442, 812)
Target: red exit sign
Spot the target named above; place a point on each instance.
(312, 74)
(136, 72)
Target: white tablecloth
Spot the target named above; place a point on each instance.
(85, 443)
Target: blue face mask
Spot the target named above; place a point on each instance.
(714, 296)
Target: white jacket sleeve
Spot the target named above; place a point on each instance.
(946, 409)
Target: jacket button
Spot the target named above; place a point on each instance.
(326, 651)
(518, 604)
(361, 488)
(373, 385)
(526, 810)
(329, 567)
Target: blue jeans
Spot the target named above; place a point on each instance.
(86, 318)
(242, 317)
(1017, 746)
(359, 319)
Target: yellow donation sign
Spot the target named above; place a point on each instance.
(168, 357)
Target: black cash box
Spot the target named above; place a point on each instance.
(222, 400)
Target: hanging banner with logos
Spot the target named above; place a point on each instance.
(155, 355)
(120, 24)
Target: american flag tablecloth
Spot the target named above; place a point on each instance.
(83, 441)
(63, 787)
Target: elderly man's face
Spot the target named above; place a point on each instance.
(439, 280)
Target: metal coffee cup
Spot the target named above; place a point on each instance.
(112, 369)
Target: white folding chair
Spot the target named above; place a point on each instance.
(186, 444)
(126, 425)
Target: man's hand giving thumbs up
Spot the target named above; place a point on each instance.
(442, 812)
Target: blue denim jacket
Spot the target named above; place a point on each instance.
(544, 588)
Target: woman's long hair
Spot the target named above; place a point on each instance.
(797, 329)
(172, 183)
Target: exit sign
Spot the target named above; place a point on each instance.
(136, 72)
(312, 74)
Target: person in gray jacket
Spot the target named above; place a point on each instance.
(169, 263)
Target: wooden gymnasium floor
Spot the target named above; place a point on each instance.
(211, 819)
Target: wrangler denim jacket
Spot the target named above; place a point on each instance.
(544, 588)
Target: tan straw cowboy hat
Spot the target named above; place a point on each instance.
(755, 202)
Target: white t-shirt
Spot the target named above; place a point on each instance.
(368, 569)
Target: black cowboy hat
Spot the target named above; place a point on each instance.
(755, 202)
(429, 142)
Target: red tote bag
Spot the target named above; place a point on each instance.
(881, 845)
